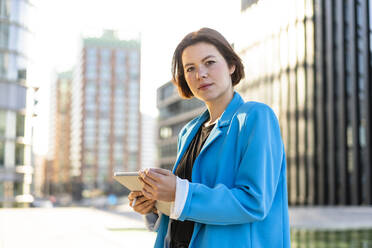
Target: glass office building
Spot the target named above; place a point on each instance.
(15, 128)
(310, 60)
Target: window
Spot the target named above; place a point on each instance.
(20, 125)
(300, 30)
(120, 68)
(91, 69)
(2, 153)
(18, 188)
(301, 97)
(20, 154)
(167, 91)
(310, 42)
(5, 8)
(165, 132)
(134, 65)
(2, 122)
(292, 45)
(89, 158)
(4, 61)
(4, 35)
(284, 49)
(89, 142)
(105, 64)
(1, 184)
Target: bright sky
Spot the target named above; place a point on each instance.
(58, 26)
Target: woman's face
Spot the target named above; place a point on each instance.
(206, 72)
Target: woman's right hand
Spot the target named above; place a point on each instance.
(143, 205)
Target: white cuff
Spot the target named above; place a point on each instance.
(182, 189)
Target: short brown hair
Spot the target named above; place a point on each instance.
(212, 37)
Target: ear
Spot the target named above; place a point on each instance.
(232, 69)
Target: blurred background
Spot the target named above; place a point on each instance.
(85, 91)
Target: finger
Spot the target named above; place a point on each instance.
(150, 190)
(134, 194)
(150, 181)
(139, 202)
(148, 209)
(145, 184)
(156, 177)
(142, 207)
(142, 199)
(160, 171)
(147, 193)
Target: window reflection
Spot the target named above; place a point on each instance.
(284, 49)
(301, 90)
(309, 42)
(300, 30)
(2, 153)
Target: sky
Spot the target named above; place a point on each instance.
(58, 26)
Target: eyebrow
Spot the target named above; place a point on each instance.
(205, 58)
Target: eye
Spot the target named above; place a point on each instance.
(189, 69)
(210, 62)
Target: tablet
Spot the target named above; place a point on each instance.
(130, 180)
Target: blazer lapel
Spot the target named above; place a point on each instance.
(224, 121)
(217, 131)
(189, 135)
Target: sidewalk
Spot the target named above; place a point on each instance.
(331, 218)
(309, 218)
(71, 227)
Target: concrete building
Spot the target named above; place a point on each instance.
(106, 121)
(310, 60)
(174, 113)
(148, 149)
(15, 94)
(61, 165)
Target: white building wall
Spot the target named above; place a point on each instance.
(149, 128)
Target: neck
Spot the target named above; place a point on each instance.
(218, 106)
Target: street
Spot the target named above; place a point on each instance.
(72, 227)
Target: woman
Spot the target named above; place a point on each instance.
(228, 187)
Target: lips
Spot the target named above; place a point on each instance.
(204, 86)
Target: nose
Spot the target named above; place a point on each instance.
(202, 72)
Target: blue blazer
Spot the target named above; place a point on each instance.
(238, 193)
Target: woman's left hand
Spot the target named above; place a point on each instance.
(159, 184)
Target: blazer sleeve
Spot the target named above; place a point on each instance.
(256, 179)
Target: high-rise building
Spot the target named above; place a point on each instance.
(106, 121)
(60, 180)
(15, 120)
(174, 113)
(310, 60)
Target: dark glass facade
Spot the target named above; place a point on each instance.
(314, 70)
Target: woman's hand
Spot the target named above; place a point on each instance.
(143, 205)
(159, 184)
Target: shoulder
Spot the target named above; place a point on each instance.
(254, 110)
(256, 119)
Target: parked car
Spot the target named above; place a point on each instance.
(41, 203)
